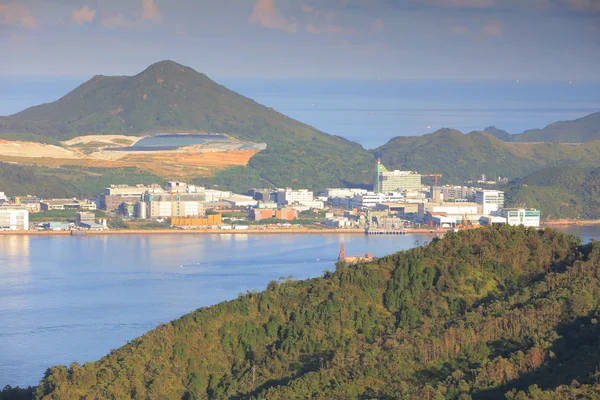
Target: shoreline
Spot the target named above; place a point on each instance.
(572, 222)
(302, 231)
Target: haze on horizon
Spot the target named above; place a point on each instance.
(367, 39)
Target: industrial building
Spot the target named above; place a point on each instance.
(14, 218)
(166, 205)
(343, 192)
(521, 216)
(32, 203)
(286, 214)
(393, 181)
(115, 195)
(398, 209)
(66, 204)
(370, 199)
(489, 201)
(452, 193)
(264, 195)
(289, 196)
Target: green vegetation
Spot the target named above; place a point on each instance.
(577, 131)
(479, 314)
(463, 157)
(559, 193)
(171, 97)
(67, 181)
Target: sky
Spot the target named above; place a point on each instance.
(557, 40)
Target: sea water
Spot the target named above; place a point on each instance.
(372, 112)
(65, 299)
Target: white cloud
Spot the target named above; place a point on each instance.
(150, 13)
(83, 15)
(495, 28)
(17, 15)
(268, 16)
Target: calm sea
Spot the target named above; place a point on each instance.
(373, 112)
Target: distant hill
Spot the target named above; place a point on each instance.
(577, 131)
(482, 314)
(463, 157)
(499, 133)
(580, 130)
(559, 192)
(171, 97)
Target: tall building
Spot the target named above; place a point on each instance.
(489, 201)
(394, 181)
(14, 218)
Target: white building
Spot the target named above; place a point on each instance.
(489, 201)
(370, 199)
(343, 192)
(3, 197)
(289, 196)
(14, 218)
(458, 192)
(521, 216)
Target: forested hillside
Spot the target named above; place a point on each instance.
(67, 181)
(559, 192)
(463, 157)
(479, 314)
(580, 130)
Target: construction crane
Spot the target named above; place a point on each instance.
(435, 177)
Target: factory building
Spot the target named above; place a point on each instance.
(451, 193)
(398, 209)
(165, 205)
(489, 201)
(115, 195)
(393, 181)
(14, 218)
(67, 204)
(521, 216)
(449, 209)
(370, 199)
(264, 195)
(289, 196)
(343, 192)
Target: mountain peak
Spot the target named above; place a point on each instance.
(170, 67)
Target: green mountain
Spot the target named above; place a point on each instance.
(503, 312)
(577, 131)
(559, 192)
(580, 130)
(463, 157)
(171, 97)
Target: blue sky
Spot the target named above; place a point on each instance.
(367, 39)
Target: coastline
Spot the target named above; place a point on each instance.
(209, 232)
(572, 222)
